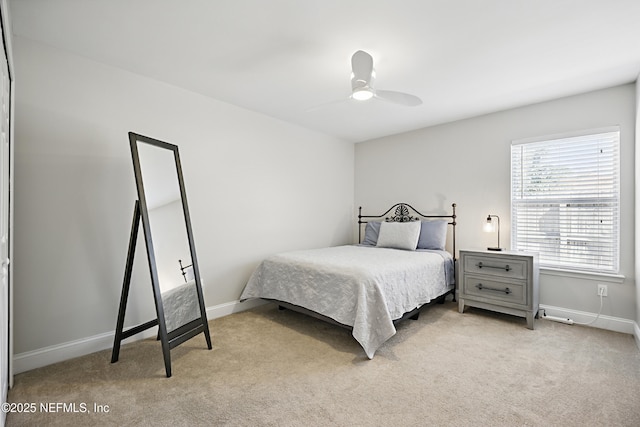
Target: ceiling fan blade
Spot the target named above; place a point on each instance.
(362, 67)
(398, 98)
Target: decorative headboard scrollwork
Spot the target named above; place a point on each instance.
(401, 214)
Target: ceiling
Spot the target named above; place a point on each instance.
(290, 59)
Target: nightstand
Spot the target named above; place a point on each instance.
(506, 282)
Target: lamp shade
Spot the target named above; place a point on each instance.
(489, 226)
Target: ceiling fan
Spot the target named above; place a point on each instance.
(362, 83)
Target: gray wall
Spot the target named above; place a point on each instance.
(255, 186)
(468, 162)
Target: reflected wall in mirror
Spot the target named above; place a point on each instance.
(162, 207)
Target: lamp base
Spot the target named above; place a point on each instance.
(495, 249)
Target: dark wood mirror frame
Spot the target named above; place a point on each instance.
(173, 338)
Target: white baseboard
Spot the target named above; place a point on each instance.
(610, 323)
(57, 353)
(636, 334)
(228, 308)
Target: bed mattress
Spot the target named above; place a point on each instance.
(363, 287)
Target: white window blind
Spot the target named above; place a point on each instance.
(565, 200)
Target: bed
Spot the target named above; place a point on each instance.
(400, 266)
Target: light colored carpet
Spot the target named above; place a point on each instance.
(280, 368)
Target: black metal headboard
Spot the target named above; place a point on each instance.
(402, 212)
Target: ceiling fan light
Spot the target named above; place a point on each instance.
(362, 94)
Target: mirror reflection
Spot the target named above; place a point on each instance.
(169, 235)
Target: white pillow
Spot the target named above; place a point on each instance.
(399, 235)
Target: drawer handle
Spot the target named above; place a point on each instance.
(505, 268)
(480, 286)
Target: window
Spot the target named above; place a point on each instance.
(565, 200)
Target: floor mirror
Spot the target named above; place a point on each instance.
(175, 277)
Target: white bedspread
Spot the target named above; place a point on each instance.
(181, 305)
(359, 286)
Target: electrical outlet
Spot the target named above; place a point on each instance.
(602, 290)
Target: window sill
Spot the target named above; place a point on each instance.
(586, 275)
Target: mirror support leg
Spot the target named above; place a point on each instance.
(125, 285)
(121, 334)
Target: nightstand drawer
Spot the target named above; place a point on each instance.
(499, 266)
(512, 292)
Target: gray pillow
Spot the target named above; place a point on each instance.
(371, 232)
(399, 235)
(433, 234)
